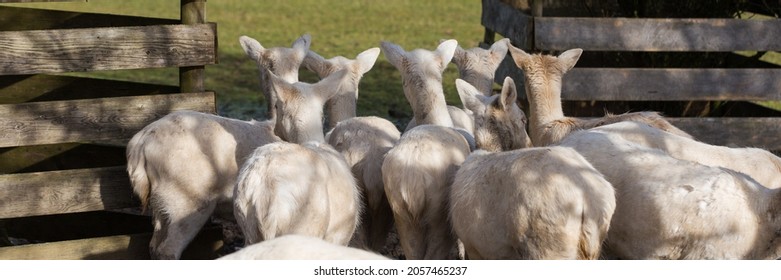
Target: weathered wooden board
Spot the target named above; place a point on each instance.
(91, 49)
(666, 84)
(121, 247)
(645, 34)
(734, 132)
(20, 19)
(509, 22)
(65, 191)
(91, 120)
(15, 159)
(38, 158)
(660, 84)
(37, 88)
(191, 79)
(759, 132)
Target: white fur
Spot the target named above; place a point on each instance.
(477, 66)
(499, 124)
(184, 166)
(536, 203)
(342, 106)
(461, 118)
(300, 247)
(364, 141)
(292, 188)
(421, 71)
(284, 62)
(668, 208)
(286, 188)
(417, 174)
(547, 123)
(418, 171)
(300, 106)
(759, 164)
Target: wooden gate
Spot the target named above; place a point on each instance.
(62, 138)
(591, 87)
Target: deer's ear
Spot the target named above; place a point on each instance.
(394, 53)
(303, 42)
(470, 96)
(251, 47)
(446, 50)
(301, 46)
(569, 58)
(316, 63)
(366, 59)
(508, 95)
(519, 56)
(459, 56)
(280, 88)
(329, 86)
(498, 51)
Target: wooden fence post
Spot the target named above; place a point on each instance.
(537, 8)
(191, 79)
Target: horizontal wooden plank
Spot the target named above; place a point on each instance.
(65, 191)
(37, 88)
(734, 132)
(39, 158)
(507, 68)
(107, 48)
(19, 19)
(660, 84)
(91, 120)
(509, 22)
(689, 60)
(126, 247)
(672, 84)
(73, 226)
(121, 247)
(645, 34)
(16, 159)
(759, 132)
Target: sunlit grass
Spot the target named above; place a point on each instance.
(337, 27)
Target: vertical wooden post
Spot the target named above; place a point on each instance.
(536, 12)
(489, 37)
(537, 8)
(191, 78)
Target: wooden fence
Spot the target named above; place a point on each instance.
(596, 84)
(62, 138)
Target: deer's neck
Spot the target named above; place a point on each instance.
(544, 105)
(428, 102)
(341, 107)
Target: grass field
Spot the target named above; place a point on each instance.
(337, 27)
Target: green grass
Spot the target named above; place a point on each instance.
(337, 27)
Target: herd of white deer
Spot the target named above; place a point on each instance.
(458, 183)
